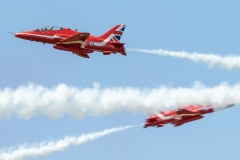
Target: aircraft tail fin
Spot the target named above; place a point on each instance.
(114, 34)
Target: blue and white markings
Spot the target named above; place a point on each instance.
(91, 43)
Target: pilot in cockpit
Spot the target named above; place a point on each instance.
(48, 28)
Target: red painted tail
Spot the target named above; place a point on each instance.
(114, 34)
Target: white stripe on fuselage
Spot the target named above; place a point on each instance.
(103, 42)
(164, 117)
(38, 35)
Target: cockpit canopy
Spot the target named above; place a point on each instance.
(47, 28)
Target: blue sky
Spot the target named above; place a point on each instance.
(201, 26)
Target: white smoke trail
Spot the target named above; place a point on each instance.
(30, 100)
(230, 62)
(46, 148)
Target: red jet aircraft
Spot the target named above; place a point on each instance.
(182, 115)
(79, 43)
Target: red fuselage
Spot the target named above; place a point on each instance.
(182, 115)
(81, 43)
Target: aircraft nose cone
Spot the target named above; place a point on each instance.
(230, 105)
(22, 35)
(19, 35)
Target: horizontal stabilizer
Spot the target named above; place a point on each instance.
(117, 44)
(124, 52)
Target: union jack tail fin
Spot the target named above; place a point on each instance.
(114, 34)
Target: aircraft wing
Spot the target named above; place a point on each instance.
(185, 112)
(82, 55)
(77, 38)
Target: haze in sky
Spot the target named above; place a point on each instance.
(106, 92)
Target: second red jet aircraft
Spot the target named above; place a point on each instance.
(183, 115)
(79, 43)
